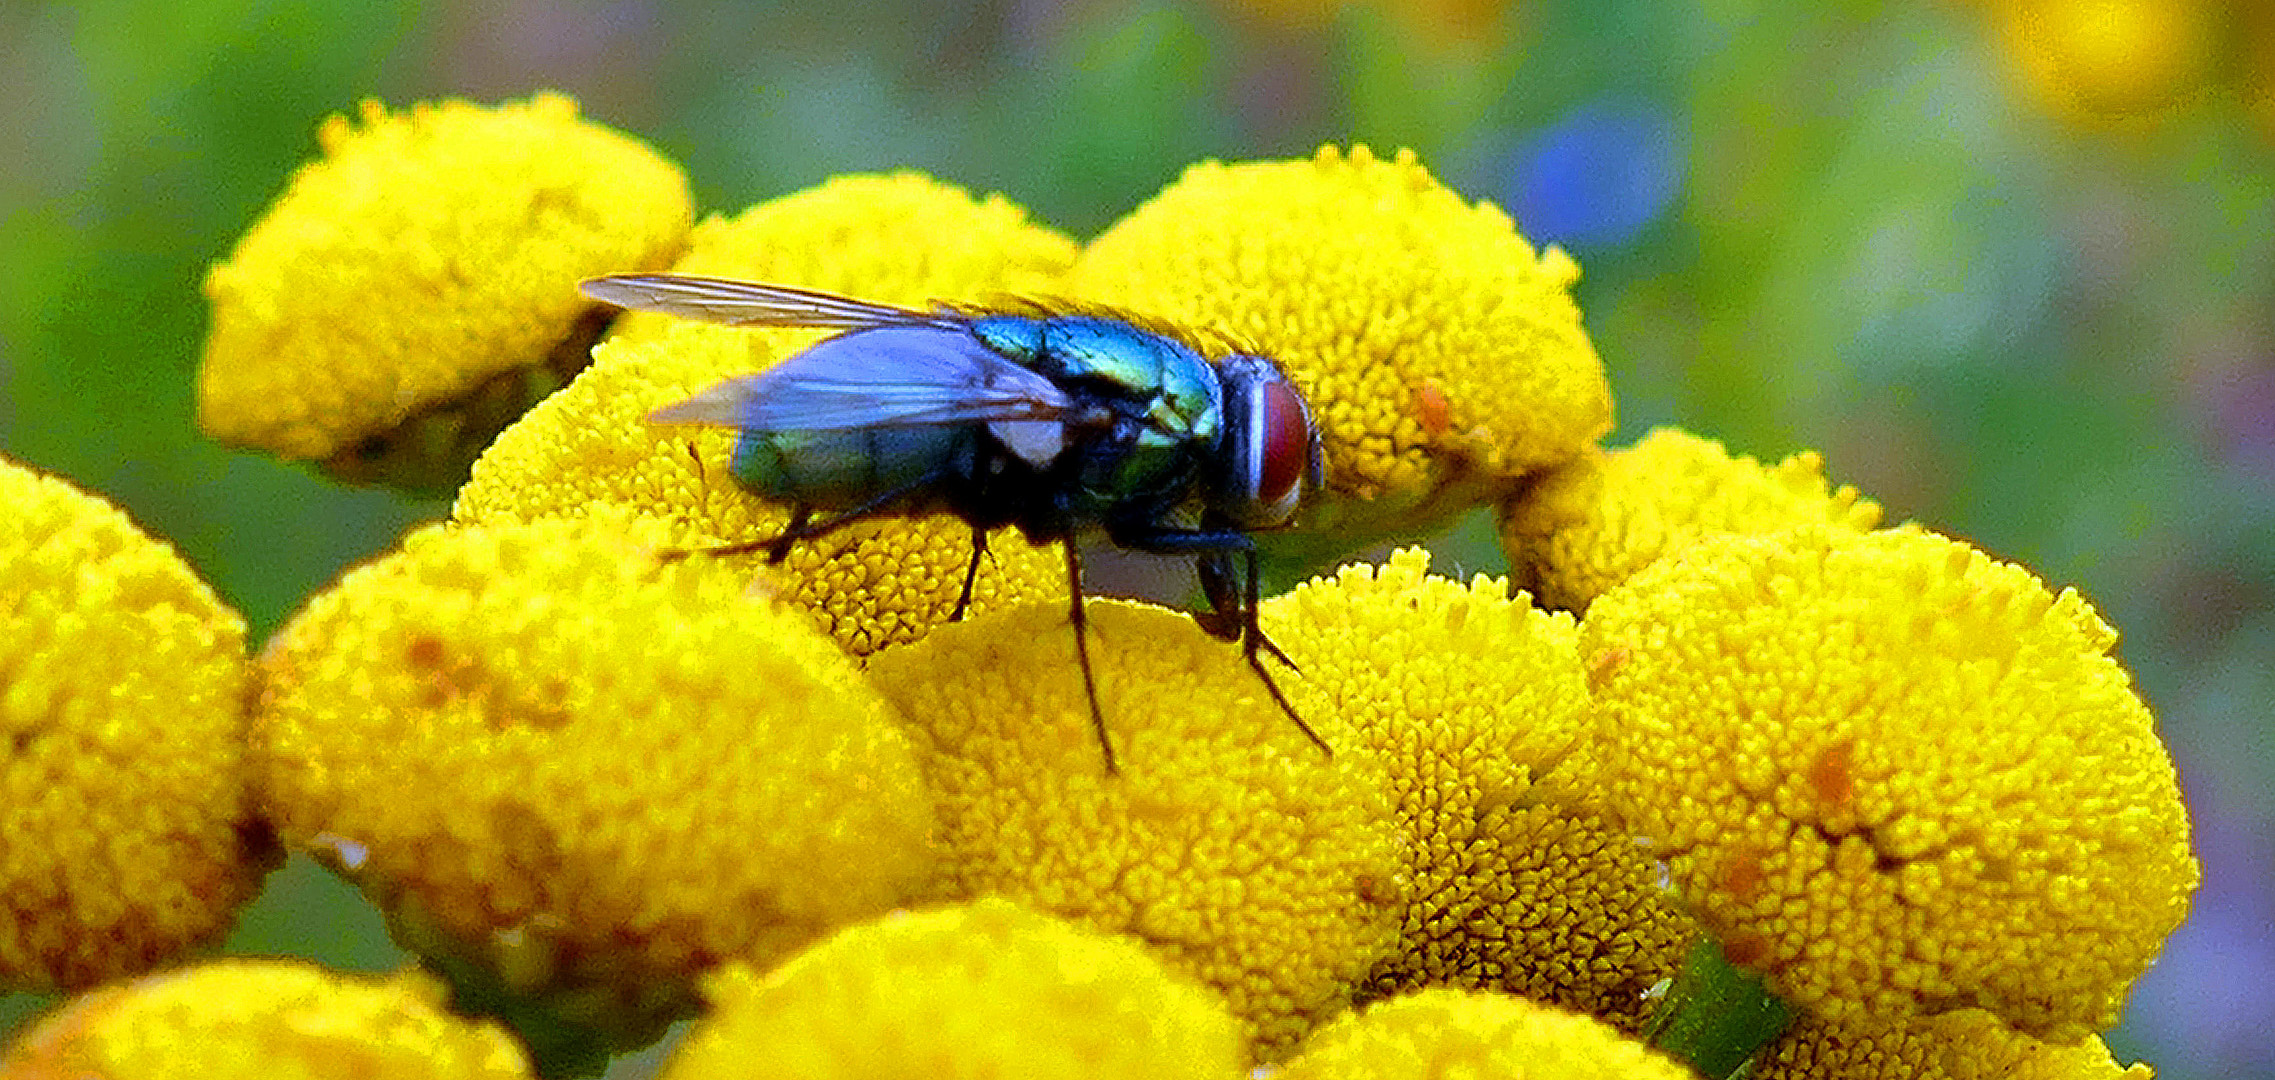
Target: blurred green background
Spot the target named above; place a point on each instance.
(2007, 263)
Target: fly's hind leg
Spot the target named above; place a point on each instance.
(1082, 654)
(971, 574)
(802, 525)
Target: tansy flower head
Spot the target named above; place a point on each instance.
(1442, 357)
(1466, 1035)
(416, 288)
(263, 1020)
(591, 448)
(979, 991)
(1893, 774)
(1471, 698)
(1969, 1044)
(1588, 525)
(547, 753)
(1228, 843)
(124, 832)
(896, 238)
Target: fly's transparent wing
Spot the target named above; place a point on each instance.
(748, 303)
(894, 376)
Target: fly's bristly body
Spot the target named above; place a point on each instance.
(1056, 420)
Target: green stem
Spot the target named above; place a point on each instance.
(1716, 1015)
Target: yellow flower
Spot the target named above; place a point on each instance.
(590, 449)
(2101, 60)
(1894, 775)
(853, 235)
(1475, 702)
(415, 289)
(1590, 525)
(586, 771)
(263, 1020)
(127, 838)
(1969, 1044)
(1228, 843)
(1467, 1035)
(987, 990)
(1442, 357)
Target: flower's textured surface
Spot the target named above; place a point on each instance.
(1473, 700)
(1589, 525)
(427, 254)
(1236, 850)
(1468, 1035)
(1894, 774)
(1969, 1044)
(124, 831)
(899, 239)
(1442, 356)
(544, 746)
(981, 991)
(263, 1020)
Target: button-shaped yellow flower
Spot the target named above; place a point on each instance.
(1588, 525)
(263, 1020)
(588, 771)
(980, 991)
(893, 238)
(901, 239)
(1228, 842)
(1893, 774)
(1476, 703)
(1468, 1035)
(415, 288)
(1966, 1045)
(1443, 357)
(124, 830)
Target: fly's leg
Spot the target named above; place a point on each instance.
(971, 574)
(803, 527)
(1253, 641)
(1082, 654)
(1232, 605)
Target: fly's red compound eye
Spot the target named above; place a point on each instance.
(1284, 448)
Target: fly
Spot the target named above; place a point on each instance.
(1057, 422)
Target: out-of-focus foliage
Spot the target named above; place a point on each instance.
(2009, 264)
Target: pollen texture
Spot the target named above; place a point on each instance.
(1895, 775)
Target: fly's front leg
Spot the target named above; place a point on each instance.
(1232, 604)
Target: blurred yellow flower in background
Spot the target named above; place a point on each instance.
(984, 990)
(589, 774)
(125, 834)
(263, 1020)
(414, 290)
(1893, 774)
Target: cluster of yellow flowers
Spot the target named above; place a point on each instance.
(1902, 783)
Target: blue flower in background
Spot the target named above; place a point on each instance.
(1599, 176)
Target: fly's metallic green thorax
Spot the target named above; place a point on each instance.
(1174, 390)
